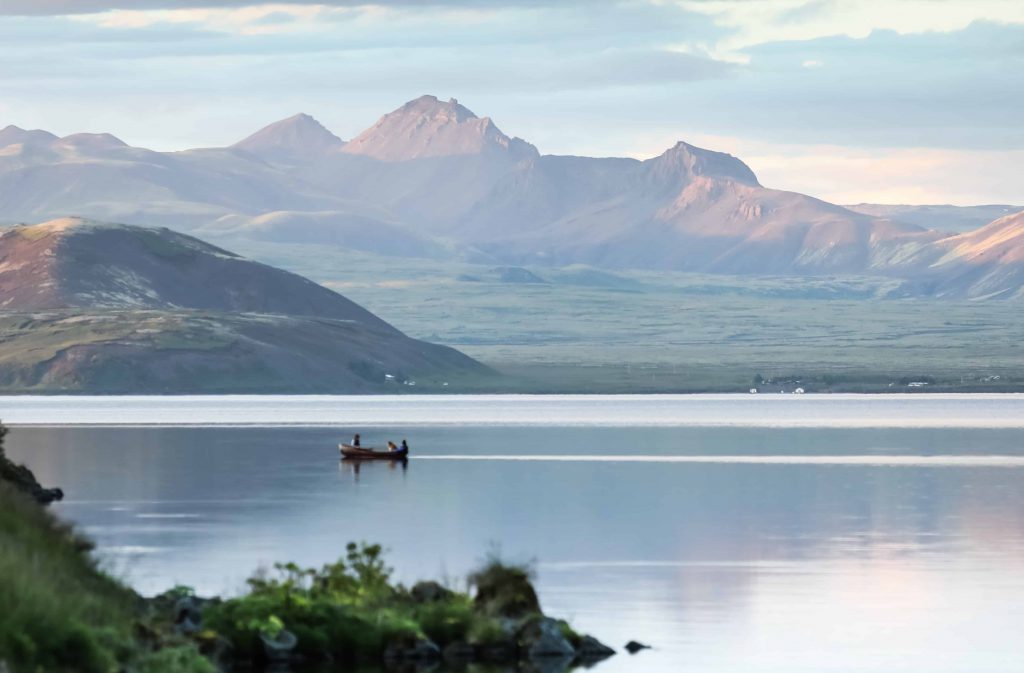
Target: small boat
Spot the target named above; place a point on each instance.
(365, 452)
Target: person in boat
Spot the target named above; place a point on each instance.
(355, 441)
(391, 446)
(405, 446)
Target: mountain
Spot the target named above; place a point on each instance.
(294, 139)
(953, 219)
(688, 209)
(982, 264)
(98, 307)
(427, 127)
(358, 229)
(12, 135)
(431, 179)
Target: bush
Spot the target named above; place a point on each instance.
(505, 590)
(445, 621)
(180, 659)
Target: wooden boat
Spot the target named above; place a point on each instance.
(366, 452)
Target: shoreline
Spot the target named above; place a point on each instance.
(768, 411)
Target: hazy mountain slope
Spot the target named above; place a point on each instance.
(99, 176)
(427, 164)
(953, 219)
(97, 307)
(352, 230)
(688, 209)
(293, 140)
(984, 263)
(431, 179)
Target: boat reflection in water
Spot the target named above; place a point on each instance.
(353, 466)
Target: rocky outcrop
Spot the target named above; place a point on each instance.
(546, 637)
(633, 647)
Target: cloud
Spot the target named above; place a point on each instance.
(818, 80)
(758, 22)
(71, 7)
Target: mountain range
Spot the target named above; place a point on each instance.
(431, 179)
(112, 308)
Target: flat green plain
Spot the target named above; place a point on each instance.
(633, 331)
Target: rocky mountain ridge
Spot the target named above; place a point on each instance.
(431, 179)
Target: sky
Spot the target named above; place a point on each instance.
(884, 101)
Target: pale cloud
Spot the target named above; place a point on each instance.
(264, 19)
(909, 100)
(755, 22)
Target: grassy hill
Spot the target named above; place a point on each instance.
(104, 308)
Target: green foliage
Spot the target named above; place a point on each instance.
(60, 612)
(445, 621)
(345, 610)
(486, 631)
(179, 659)
(569, 633)
(505, 590)
(350, 611)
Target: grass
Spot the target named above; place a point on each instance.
(676, 332)
(60, 611)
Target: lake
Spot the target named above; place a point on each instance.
(733, 533)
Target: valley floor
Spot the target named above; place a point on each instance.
(590, 331)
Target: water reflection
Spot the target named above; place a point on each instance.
(826, 561)
(353, 466)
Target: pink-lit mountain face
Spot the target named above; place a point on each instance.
(432, 179)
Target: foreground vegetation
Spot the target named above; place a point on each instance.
(61, 612)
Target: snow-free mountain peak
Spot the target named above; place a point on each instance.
(428, 127)
(295, 137)
(682, 162)
(13, 135)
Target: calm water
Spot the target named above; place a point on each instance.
(753, 545)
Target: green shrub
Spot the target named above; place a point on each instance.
(180, 659)
(486, 631)
(445, 621)
(505, 590)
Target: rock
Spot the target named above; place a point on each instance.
(419, 650)
(459, 652)
(633, 647)
(430, 592)
(22, 478)
(188, 615)
(504, 649)
(547, 665)
(279, 647)
(544, 637)
(591, 649)
(48, 495)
